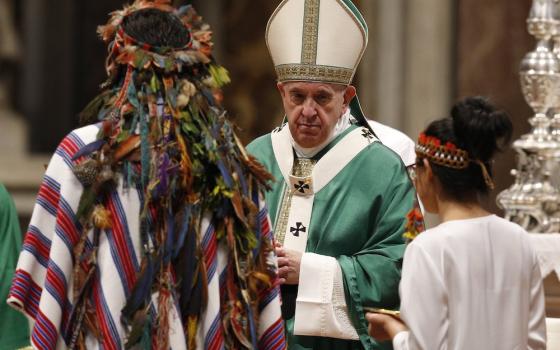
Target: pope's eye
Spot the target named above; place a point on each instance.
(297, 97)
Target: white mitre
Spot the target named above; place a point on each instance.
(316, 40)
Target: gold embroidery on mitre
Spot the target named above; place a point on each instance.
(312, 72)
(310, 32)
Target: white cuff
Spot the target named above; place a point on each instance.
(321, 308)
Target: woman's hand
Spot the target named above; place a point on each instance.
(384, 327)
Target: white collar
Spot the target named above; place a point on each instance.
(342, 124)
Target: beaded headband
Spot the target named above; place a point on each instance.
(448, 155)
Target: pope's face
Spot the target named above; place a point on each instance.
(313, 109)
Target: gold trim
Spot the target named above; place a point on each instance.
(302, 168)
(313, 72)
(310, 32)
(283, 215)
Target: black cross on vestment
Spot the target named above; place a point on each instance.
(301, 186)
(296, 230)
(367, 134)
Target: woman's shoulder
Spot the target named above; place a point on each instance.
(450, 231)
(431, 239)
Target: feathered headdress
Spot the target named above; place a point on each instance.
(164, 132)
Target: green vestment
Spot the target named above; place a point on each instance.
(14, 329)
(359, 219)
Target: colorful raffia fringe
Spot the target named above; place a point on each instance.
(164, 131)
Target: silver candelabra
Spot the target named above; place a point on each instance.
(533, 201)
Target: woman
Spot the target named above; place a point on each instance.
(473, 282)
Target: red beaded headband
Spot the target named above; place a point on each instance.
(448, 155)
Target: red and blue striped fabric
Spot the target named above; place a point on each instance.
(42, 285)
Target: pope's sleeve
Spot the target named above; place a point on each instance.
(372, 275)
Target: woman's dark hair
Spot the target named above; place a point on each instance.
(477, 127)
(156, 28)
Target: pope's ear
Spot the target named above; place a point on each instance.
(349, 94)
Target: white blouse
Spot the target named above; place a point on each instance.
(472, 284)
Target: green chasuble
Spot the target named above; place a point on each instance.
(358, 217)
(14, 329)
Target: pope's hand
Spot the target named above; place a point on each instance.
(288, 265)
(384, 327)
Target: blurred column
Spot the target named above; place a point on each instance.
(63, 65)
(381, 73)
(406, 77)
(48, 89)
(10, 51)
(429, 62)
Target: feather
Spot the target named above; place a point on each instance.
(91, 112)
(220, 76)
(183, 10)
(257, 169)
(142, 290)
(225, 173)
(138, 327)
(252, 325)
(258, 277)
(191, 329)
(87, 201)
(162, 187)
(237, 203)
(80, 307)
(185, 269)
(197, 301)
(101, 217)
(170, 239)
(184, 229)
(238, 322)
(185, 162)
(240, 177)
(144, 150)
(209, 96)
(124, 148)
(88, 149)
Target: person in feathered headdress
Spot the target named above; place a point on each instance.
(341, 200)
(149, 229)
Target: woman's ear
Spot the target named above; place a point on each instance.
(428, 169)
(427, 173)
